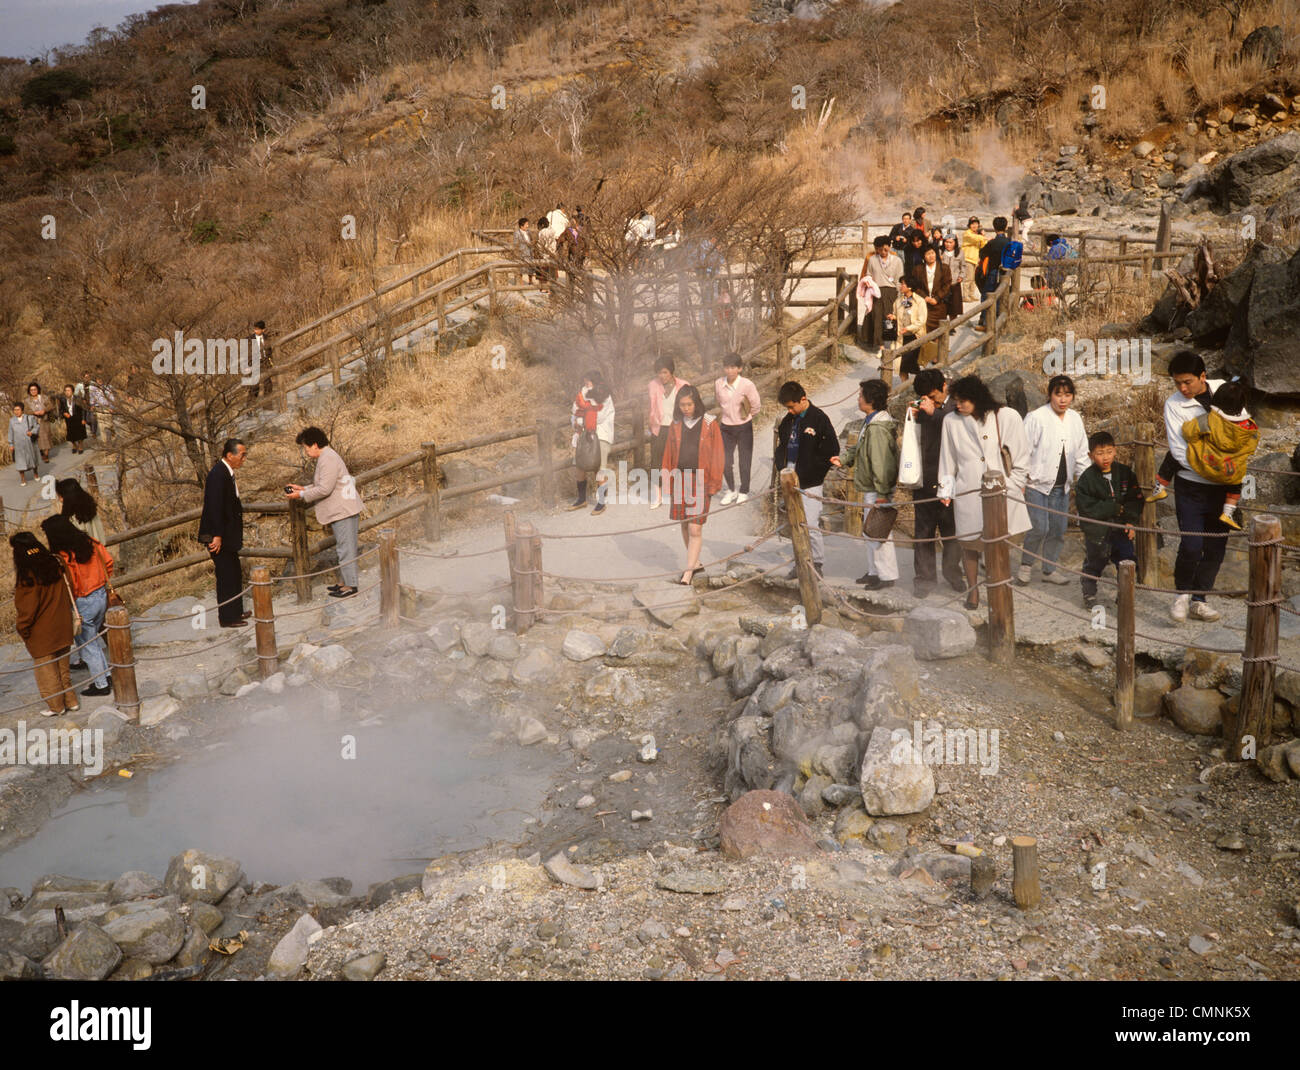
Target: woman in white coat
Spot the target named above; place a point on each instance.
(972, 441)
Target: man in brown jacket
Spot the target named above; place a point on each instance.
(337, 504)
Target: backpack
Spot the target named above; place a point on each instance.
(1061, 250)
(1011, 255)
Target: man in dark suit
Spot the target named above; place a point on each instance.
(221, 529)
(806, 442)
(259, 349)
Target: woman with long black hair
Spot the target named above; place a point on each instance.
(44, 611)
(79, 507)
(88, 566)
(973, 438)
(694, 459)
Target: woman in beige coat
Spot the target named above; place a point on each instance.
(38, 405)
(337, 504)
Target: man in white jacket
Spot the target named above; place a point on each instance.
(1058, 454)
(337, 504)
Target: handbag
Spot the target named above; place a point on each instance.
(1003, 451)
(586, 454)
(879, 522)
(909, 461)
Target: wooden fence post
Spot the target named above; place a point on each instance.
(1164, 237)
(121, 656)
(429, 476)
(836, 316)
(546, 481)
(1024, 882)
(92, 481)
(390, 578)
(1145, 470)
(809, 592)
(1125, 646)
(1254, 716)
(264, 622)
(941, 349)
(853, 514)
(997, 566)
(492, 295)
(526, 576)
(991, 345)
(301, 549)
(440, 306)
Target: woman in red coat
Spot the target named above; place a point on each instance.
(692, 472)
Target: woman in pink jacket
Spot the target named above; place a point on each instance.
(663, 398)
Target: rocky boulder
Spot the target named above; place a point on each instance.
(894, 780)
(1195, 710)
(290, 954)
(1264, 344)
(88, 954)
(151, 935)
(196, 875)
(938, 633)
(768, 823)
(1255, 175)
(1019, 389)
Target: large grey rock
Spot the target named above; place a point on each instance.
(77, 906)
(231, 684)
(750, 762)
(152, 935)
(444, 635)
(194, 949)
(1195, 710)
(88, 954)
(17, 967)
(1149, 690)
(583, 646)
(194, 874)
(1211, 321)
(189, 686)
(666, 604)
(206, 916)
(1255, 175)
(504, 647)
(1019, 389)
(747, 672)
(364, 967)
(58, 882)
(290, 954)
(938, 633)
(1265, 43)
(830, 644)
(616, 685)
(529, 731)
(311, 893)
(1266, 343)
(135, 884)
(476, 637)
(536, 667)
(157, 709)
(329, 660)
(958, 173)
(894, 780)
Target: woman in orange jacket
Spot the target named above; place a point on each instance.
(87, 565)
(692, 472)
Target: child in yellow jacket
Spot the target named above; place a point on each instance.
(1220, 443)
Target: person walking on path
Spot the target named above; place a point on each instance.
(874, 463)
(951, 257)
(23, 434)
(522, 242)
(43, 607)
(1058, 453)
(1220, 444)
(80, 508)
(911, 312)
(88, 567)
(662, 391)
(38, 405)
(738, 398)
(973, 439)
(104, 403)
(1107, 491)
(885, 269)
(973, 240)
(221, 529)
(259, 348)
(1198, 502)
(988, 273)
(692, 472)
(933, 518)
(337, 504)
(593, 410)
(806, 444)
(74, 419)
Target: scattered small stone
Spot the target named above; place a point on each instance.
(585, 802)
(364, 967)
(566, 872)
(1200, 945)
(739, 902)
(1059, 737)
(1230, 841)
(691, 881)
(642, 815)
(621, 777)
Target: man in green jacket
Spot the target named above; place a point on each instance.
(1107, 491)
(874, 462)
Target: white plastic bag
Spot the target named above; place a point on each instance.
(909, 460)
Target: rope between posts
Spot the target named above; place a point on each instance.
(190, 615)
(454, 554)
(1111, 524)
(184, 653)
(55, 660)
(651, 527)
(1137, 586)
(651, 576)
(893, 504)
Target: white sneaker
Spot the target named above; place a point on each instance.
(1179, 609)
(1056, 576)
(1025, 574)
(49, 713)
(727, 498)
(656, 503)
(741, 498)
(1202, 611)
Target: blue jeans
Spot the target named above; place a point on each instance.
(1198, 506)
(92, 608)
(1047, 537)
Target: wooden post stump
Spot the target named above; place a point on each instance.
(264, 622)
(1024, 885)
(1252, 724)
(809, 591)
(836, 316)
(390, 578)
(526, 576)
(1125, 645)
(121, 658)
(1145, 469)
(997, 566)
(301, 549)
(429, 476)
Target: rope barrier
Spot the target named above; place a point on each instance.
(651, 576)
(190, 615)
(454, 555)
(323, 571)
